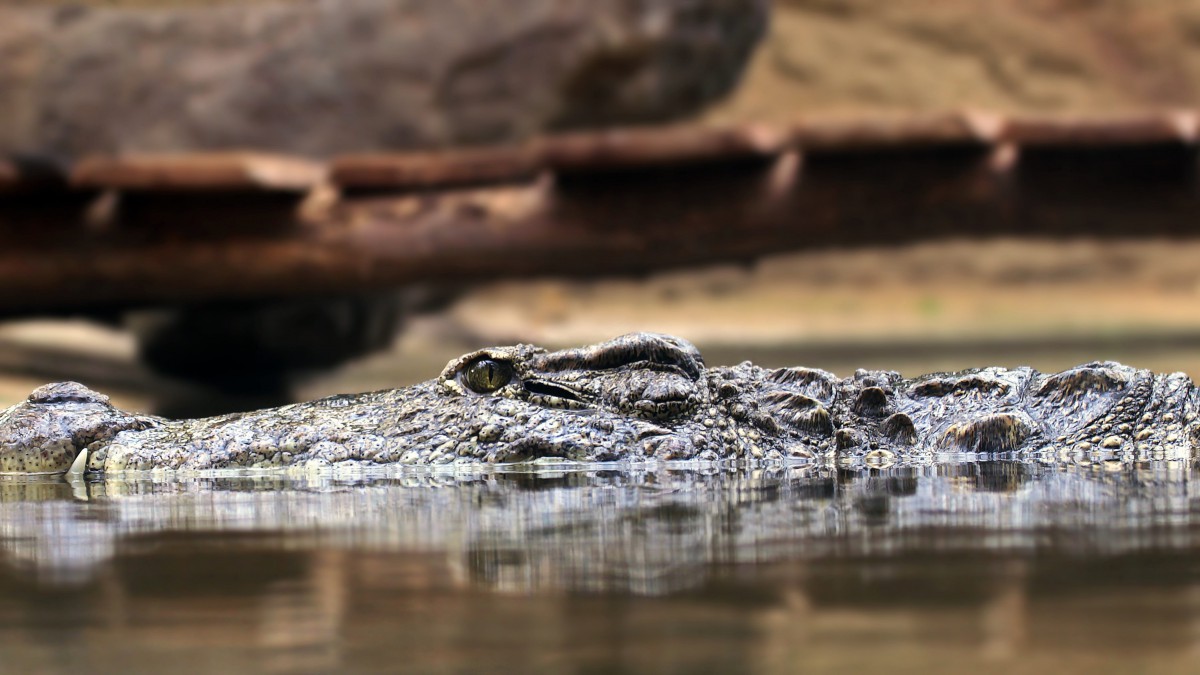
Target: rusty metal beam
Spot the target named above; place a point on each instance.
(1175, 127)
(23, 176)
(202, 172)
(216, 228)
(448, 168)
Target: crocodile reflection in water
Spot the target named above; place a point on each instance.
(646, 531)
(639, 397)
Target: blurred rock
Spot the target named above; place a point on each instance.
(1061, 56)
(314, 76)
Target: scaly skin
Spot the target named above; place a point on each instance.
(638, 397)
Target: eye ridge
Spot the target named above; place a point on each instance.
(487, 375)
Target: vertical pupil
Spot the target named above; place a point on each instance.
(486, 375)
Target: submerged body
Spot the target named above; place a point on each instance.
(638, 397)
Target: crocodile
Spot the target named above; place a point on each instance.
(635, 398)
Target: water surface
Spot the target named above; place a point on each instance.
(995, 566)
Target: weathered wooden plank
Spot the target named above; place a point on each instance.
(848, 134)
(1176, 127)
(625, 223)
(207, 228)
(648, 147)
(210, 172)
(25, 176)
(448, 168)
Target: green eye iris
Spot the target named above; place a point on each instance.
(487, 375)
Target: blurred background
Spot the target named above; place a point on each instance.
(211, 205)
(222, 204)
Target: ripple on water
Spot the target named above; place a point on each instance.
(1037, 565)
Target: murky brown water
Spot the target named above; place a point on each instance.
(993, 566)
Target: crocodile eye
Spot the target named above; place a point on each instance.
(487, 375)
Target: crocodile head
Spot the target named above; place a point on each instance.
(638, 396)
(46, 432)
(620, 399)
(628, 398)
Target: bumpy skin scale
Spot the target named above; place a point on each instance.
(637, 397)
